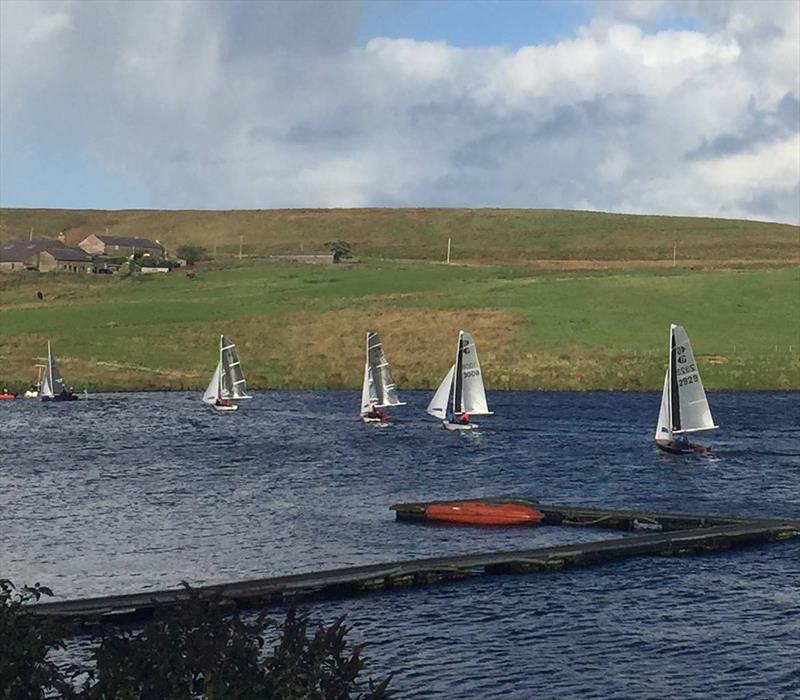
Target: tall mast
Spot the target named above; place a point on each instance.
(221, 369)
(674, 396)
(457, 379)
(50, 368)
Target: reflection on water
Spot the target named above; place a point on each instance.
(137, 491)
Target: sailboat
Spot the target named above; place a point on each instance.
(461, 392)
(684, 407)
(379, 389)
(32, 392)
(52, 386)
(227, 383)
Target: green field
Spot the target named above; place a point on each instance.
(303, 326)
(487, 236)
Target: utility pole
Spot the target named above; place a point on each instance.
(30, 237)
(448, 250)
(674, 253)
(241, 240)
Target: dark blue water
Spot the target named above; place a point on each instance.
(130, 492)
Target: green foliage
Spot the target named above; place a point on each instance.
(25, 671)
(341, 249)
(192, 253)
(201, 650)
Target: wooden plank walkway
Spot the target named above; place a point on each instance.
(705, 534)
(588, 516)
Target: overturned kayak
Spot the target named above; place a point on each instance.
(481, 513)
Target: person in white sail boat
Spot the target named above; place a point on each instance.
(463, 418)
(375, 412)
(682, 440)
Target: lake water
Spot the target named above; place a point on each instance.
(130, 492)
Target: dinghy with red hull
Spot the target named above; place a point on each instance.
(482, 513)
(227, 384)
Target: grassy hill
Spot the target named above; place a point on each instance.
(303, 326)
(478, 235)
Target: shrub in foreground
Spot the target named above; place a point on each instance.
(202, 649)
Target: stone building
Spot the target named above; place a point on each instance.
(19, 255)
(43, 255)
(120, 246)
(65, 260)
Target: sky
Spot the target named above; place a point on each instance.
(687, 107)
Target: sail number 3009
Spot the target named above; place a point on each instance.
(472, 373)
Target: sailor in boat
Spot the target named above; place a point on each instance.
(463, 418)
(223, 402)
(377, 413)
(67, 395)
(6, 394)
(682, 441)
(32, 392)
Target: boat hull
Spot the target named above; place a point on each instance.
(458, 426)
(481, 513)
(226, 409)
(382, 421)
(7, 397)
(59, 398)
(676, 448)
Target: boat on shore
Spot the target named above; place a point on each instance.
(684, 406)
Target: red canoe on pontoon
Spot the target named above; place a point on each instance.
(481, 513)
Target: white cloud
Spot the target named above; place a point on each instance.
(229, 105)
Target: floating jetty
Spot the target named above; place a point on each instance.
(662, 534)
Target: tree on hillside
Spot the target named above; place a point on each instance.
(192, 253)
(340, 249)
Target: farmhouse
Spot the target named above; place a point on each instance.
(119, 246)
(43, 255)
(24, 255)
(65, 259)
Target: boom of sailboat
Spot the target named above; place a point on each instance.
(460, 396)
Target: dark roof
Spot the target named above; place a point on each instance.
(130, 241)
(17, 251)
(69, 254)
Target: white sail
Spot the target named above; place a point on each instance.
(213, 390)
(384, 388)
(45, 389)
(52, 383)
(473, 393)
(368, 396)
(693, 412)
(232, 382)
(438, 405)
(663, 428)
